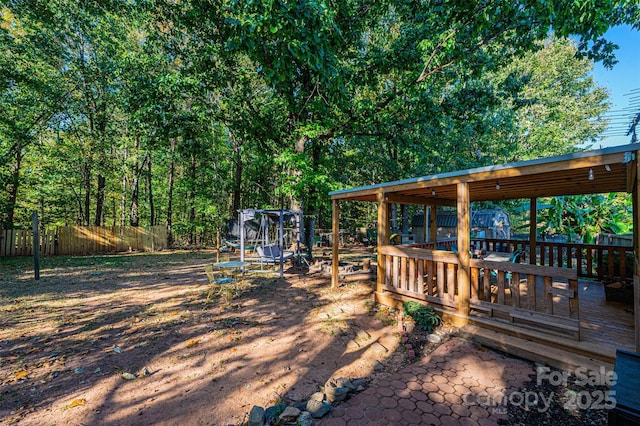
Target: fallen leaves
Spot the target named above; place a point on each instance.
(17, 376)
(129, 376)
(75, 403)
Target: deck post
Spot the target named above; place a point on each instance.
(533, 227)
(432, 222)
(335, 239)
(425, 223)
(383, 237)
(464, 245)
(636, 253)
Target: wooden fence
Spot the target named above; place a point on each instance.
(82, 240)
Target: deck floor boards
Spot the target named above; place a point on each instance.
(609, 325)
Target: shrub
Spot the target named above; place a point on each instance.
(423, 315)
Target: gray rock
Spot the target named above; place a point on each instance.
(256, 416)
(271, 414)
(302, 405)
(434, 338)
(343, 382)
(337, 390)
(359, 384)
(289, 415)
(318, 409)
(305, 419)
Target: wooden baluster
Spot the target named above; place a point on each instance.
(500, 287)
(403, 273)
(440, 277)
(610, 262)
(531, 291)
(451, 281)
(486, 285)
(573, 301)
(579, 261)
(515, 290)
(412, 275)
(396, 272)
(599, 260)
(548, 296)
(474, 283)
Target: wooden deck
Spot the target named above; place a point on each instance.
(604, 326)
(607, 324)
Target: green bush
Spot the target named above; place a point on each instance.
(423, 315)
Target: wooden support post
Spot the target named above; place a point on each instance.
(432, 223)
(636, 254)
(464, 245)
(335, 230)
(425, 223)
(533, 226)
(383, 237)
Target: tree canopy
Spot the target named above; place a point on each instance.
(182, 112)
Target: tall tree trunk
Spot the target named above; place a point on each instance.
(87, 194)
(172, 169)
(192, 200)
(134, 214)
(152, 211)
(12, 189)
(134, 217)
(313, 201)
(123, 197)
(237, 181)
(299, 204)
(100, 200)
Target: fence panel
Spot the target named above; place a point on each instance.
(82, 240)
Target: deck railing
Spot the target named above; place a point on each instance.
(539, 296)
(429, 275)
(589, 260)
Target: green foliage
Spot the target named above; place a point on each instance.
(181, 112)
(423, 315)
(582, 217)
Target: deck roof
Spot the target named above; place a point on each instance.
(545, 177)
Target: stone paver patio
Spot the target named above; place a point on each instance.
(457, 384)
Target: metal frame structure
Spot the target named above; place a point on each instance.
(281, 215)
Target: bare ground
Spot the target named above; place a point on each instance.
(131, 339)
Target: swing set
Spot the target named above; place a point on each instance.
(268, 242)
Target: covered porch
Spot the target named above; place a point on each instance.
(555, 297)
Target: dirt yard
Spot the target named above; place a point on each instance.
(131, 339)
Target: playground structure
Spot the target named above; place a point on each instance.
(256, 233)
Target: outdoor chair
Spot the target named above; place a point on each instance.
(270, 254)
(517, 257)
(217, 281)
